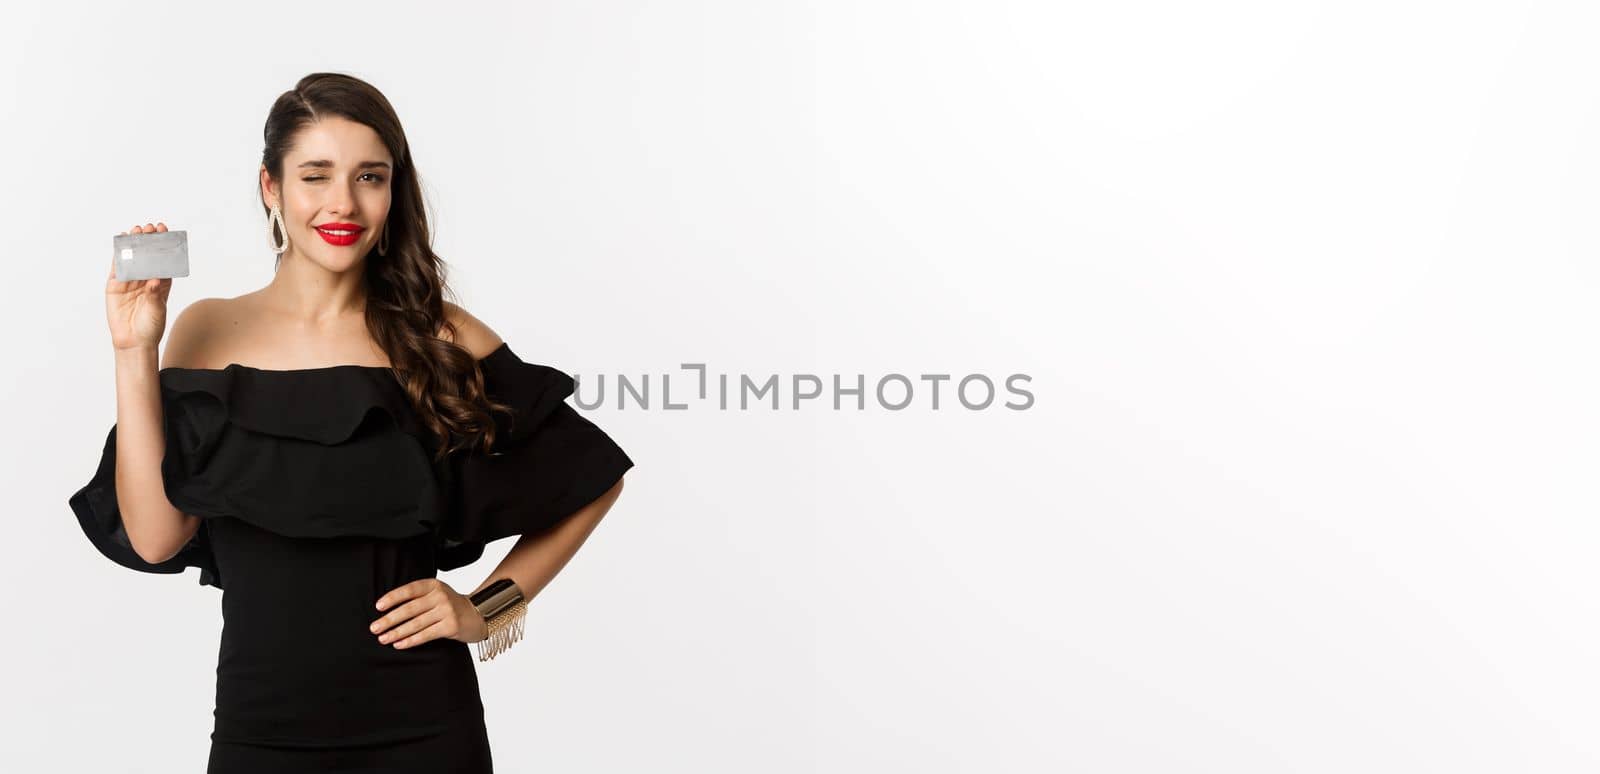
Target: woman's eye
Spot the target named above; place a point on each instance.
(375, 178)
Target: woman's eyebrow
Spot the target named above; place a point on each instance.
(327, 163)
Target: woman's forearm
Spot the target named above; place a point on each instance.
(156, 530)
(536, 559)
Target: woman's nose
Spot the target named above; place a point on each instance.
(340, 199)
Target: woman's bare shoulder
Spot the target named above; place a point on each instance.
(192, 333)
(469, 332)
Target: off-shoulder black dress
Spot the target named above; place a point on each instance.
(318, 494)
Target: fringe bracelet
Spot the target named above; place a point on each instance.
(504, 609)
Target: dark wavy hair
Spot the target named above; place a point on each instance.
(406, 286)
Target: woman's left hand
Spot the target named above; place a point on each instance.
(424, 610)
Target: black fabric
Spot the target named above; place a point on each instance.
(547, 461)
(462, 750)
(317, 494)
(306, 453)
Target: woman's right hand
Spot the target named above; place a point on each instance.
(137, 310)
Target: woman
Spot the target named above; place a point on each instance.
(378, 435)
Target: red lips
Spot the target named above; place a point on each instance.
(340, 240)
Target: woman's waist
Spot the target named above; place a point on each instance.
(340, 688)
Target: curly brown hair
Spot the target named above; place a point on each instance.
(406, 285)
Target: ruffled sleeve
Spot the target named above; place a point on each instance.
(312, 453)
(547, 462)
(193, 424)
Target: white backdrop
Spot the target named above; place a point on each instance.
(1304, 290)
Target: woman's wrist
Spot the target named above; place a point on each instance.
(136, 357)
(503, 608)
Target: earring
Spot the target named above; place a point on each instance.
(276, 221)
(383, 240)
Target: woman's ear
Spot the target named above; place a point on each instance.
(268, 194)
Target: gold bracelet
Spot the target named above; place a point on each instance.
(503, 609)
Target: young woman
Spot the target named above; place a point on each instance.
(321, 447)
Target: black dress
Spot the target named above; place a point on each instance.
(318, 494)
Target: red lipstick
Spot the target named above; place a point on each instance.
(352, 233)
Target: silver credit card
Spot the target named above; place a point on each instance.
(157, 254)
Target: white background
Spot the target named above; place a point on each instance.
(1306, 292)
